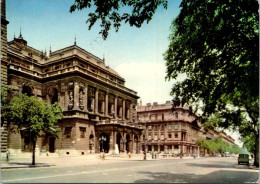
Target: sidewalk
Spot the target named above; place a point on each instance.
(68, 161)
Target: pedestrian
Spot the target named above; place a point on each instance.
(7, 155)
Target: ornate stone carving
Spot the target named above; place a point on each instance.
(111, 99)
(91, 92)
(120, 102)
(101, 96)
(81, 94)
(71, 99)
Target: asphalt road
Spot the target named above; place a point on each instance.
(200, 170)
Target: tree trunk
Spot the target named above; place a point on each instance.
(256, 154)
(33, 155)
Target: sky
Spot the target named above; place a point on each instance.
(135, 53)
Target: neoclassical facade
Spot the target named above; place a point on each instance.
(172, 132)
(99, 111)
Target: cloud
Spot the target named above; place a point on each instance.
(147, 79)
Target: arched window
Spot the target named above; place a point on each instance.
(54, 95)
(27, 90)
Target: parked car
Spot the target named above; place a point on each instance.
(243, 158)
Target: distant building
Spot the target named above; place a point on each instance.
(167, 131)
(172, 132)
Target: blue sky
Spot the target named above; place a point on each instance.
(135, 53)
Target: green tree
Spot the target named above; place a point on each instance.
(108, 12)
(235, 149)
(215, 44)
(34, 117)
(248, 142)
(202, 143)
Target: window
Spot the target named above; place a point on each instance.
(150, 117)
(149, 137)
(162, 137)
(162, 117)
(156, 128)
(155, 137)
(162, 127)
(176, 135)
(150, 127)
(176, 126)
(169, 136)
(82, 132)
(169, 127)
(176, 115)
(67, 132)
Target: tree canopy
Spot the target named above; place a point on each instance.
(136, 12)
(33, 117)
(215, 43)
(217, 145)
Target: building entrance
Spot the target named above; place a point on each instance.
(51, 144)
(104, 142)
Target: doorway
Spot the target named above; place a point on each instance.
(51, 144)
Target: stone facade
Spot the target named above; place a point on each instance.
(172, 132)
(98, 109)
(4, 23)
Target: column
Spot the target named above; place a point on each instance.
(133, 141)
(123, 110)
(111, 143)
(48, 101)
(159, 132)
(130, 112)
(115, 109)
(67, 99)
(76, 95)
(124, 143)
(85, 98)
(96, 101)
(106, 102)
(172, 149)
(152, 148)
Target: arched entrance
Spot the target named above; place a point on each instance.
(27, 90)
(118, 141)
(127, 143)
(91, 142)
(104, 142)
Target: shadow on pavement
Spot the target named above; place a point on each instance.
(223, 176)
(11, 165)
(210, 165)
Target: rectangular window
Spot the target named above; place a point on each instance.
(176, 127)
(67, 132)
(149, 137)
(155, 137)
(169, 127)
(162, 127)
(169, 136)
(176, 135)
(150, 127)
(176, 115)
(162, 137)
(82, 132)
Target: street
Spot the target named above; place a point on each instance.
(199, 170)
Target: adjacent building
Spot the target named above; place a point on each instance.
(172, 131)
